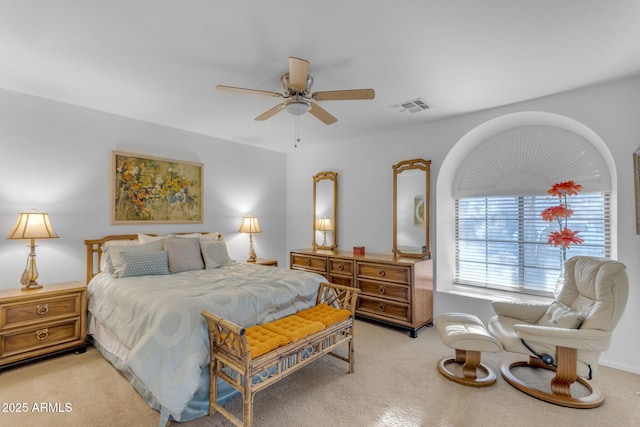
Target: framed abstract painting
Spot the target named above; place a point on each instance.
(155, 190)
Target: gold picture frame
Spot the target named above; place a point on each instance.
(636, 178)
(155, 190)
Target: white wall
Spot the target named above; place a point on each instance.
(611, 110)
(55, 157)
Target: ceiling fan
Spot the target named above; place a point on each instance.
(298, 100)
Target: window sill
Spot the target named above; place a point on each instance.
(491, 294)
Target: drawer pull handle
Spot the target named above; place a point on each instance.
(42, 334)
(341, 266)
(382, 307)
(308, 262)
(382, 290)
(42, 308)
(381, 273)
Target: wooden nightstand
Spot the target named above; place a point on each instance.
(42, 322)
(267, 261)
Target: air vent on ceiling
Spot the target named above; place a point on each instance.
(413, 106)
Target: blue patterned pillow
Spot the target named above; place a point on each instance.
(144, 263)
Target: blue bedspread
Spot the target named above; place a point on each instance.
(158, 318)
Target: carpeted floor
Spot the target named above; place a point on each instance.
(396, 383)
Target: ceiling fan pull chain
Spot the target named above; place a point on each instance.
(297, 130)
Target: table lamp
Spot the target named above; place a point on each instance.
(250, 225)
(32, 225)
(324, 225)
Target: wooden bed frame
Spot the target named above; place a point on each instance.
(94, 249)
(270, 367)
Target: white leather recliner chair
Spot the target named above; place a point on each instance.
(568, 335)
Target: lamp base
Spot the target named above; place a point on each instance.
(31, 285)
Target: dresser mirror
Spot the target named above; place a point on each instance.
(411, 208)
(325, 217)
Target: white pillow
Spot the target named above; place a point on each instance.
(211, 236)
(184, 254)
(105, 259)
(559, 315)
(214, 253)
(115, 250)
(144, 264)
(145, 238)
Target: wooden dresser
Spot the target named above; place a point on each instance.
(42, 322)
(398, 291)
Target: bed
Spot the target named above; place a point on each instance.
(146, 293)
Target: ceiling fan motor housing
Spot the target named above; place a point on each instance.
(289, 91)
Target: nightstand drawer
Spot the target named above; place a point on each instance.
(13, 315)
(42, 336)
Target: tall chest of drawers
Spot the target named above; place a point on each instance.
(42, 322)
(398, 291)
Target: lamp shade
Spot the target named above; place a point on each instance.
(33, 225)
(325, 224)
(250, 225)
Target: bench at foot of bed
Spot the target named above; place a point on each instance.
(251, 359)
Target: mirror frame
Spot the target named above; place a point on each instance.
(332, 176)
(398, 168)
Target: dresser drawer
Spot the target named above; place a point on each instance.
(37, 310)
(383, 308)
(341, 266)
(309, 262)
(392, 273)
(42, 336)
(385, 290)
(341, 280)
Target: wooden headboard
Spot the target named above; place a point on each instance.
(94, 249)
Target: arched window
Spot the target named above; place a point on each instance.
(498, 190)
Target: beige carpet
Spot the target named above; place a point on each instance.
(396, 383)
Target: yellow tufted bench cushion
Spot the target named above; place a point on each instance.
(262, 340)
(325, 314)
(294, 327)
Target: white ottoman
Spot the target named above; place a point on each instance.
(466, 334)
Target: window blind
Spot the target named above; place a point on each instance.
(501, 241)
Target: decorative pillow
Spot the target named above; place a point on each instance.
(145, 238)
(184, 254)
(561, 316)
(115, 251)
(214, 253)
(144, 264)
(214, 235)
(105, 259)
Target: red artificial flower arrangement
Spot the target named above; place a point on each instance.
(565, 237)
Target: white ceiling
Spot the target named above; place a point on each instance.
(160, 60)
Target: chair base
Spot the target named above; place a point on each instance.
(557, 397)
(471, 365)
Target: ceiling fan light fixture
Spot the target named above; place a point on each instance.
(297, 107)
